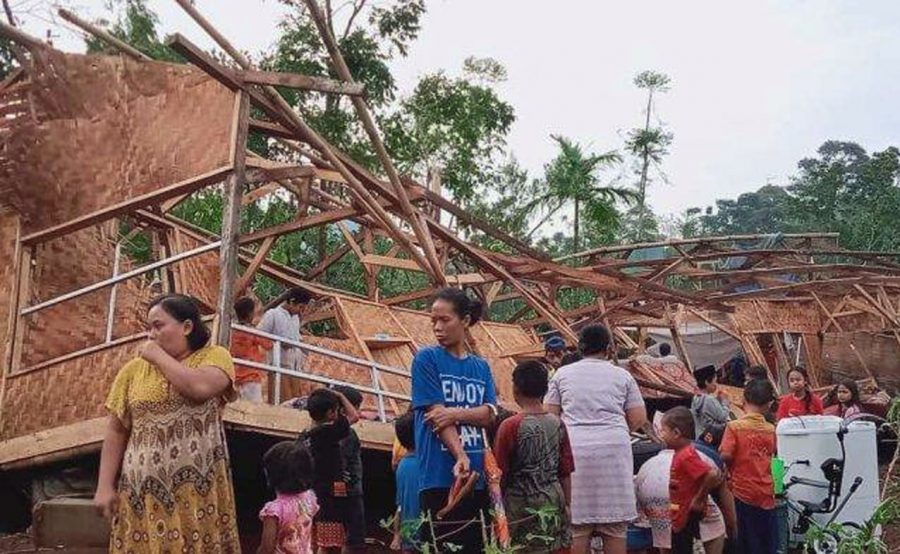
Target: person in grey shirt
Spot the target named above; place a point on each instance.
(710, 408)
(284, 321)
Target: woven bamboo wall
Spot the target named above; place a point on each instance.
(199, 275)
(879, 352)
(67, 392)
(106, 129)
(762, 316)
(68, 263)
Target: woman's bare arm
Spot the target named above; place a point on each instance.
(269, 538)
(114, 441)
(636, 418)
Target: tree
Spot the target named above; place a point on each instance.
(369, 34)
(456, 126)
(649, 144)
(136, 25)
(573, 178)
(845, 189)
(753, 212)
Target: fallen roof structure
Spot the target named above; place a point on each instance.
(92, 142)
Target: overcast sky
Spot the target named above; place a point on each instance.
(755, 85)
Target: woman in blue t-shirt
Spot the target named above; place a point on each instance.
(453, 397)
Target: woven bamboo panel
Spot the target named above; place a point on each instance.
(68, 263)
(371, 319)
(880, 353)
(107, 129)
(774, 317)
(60, 394)
(199, 274)
(417, 325)
(492, 351)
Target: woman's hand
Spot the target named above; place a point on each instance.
(396, 543)
(152, 352)
(440, 417)
(462, 467)
(105, 500)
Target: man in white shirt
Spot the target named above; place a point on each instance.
(284, 321)
(665, 354)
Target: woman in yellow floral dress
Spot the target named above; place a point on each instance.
(165, 441)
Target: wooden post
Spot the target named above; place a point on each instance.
(231, 218)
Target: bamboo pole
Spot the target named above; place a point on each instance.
(103, 35)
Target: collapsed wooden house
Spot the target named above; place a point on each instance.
(90, 142)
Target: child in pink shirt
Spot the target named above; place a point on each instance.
(288, 520)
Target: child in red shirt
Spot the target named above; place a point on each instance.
(690, 482)
(801, 400)
(249, 382)
(747, 448)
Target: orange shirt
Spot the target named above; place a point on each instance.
(248, 347)
(686, 474)
(750, 444)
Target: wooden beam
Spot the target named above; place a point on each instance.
(300, 224)
(327, 262)
(304, 82)
(270, 129)
(231, 219)
(247, 277)
(398, 263)
(154, 197)
(277, 108)
(409, 296)
(258, 174)
(103, 35)
(258, 193)
(348, 236)
(890, 317)
(15, 35)
(415, 218)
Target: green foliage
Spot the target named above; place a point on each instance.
(843, 189)
(453, 124)
(136, 25)
(849, 539)
(7, 60)
(573, 179)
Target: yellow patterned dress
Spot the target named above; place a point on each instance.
(175, 492)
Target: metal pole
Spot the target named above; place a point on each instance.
(123, 277)
(377, 386)
(111, 312)
(276, 361)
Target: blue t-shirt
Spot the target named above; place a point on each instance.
(439, 377)
(408, 491)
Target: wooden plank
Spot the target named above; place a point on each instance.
(270, 129)
(351, 241)
(258, 193)
(304, 82)
(247, 277)
(466, 279)
(398, 263)
(26, 254)
(409, 296)
(12, 318)
(259, 174)
(300, 224)
(715, 324)
(231, 219)
(151, 198)
(327, 262)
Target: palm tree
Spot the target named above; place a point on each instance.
(572, 178)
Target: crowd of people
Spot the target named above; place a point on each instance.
(565, 456)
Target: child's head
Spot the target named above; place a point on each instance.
(289, 467)
(798, 379)
(706, 378)
(529, 381)
(350, 393)
(404, 427)
(570, 358)
(756, 372)
(847, 392)
(758, 395)
(245, 308)
(677, 427)
(323, 406)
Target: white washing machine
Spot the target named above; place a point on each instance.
(806, 442)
